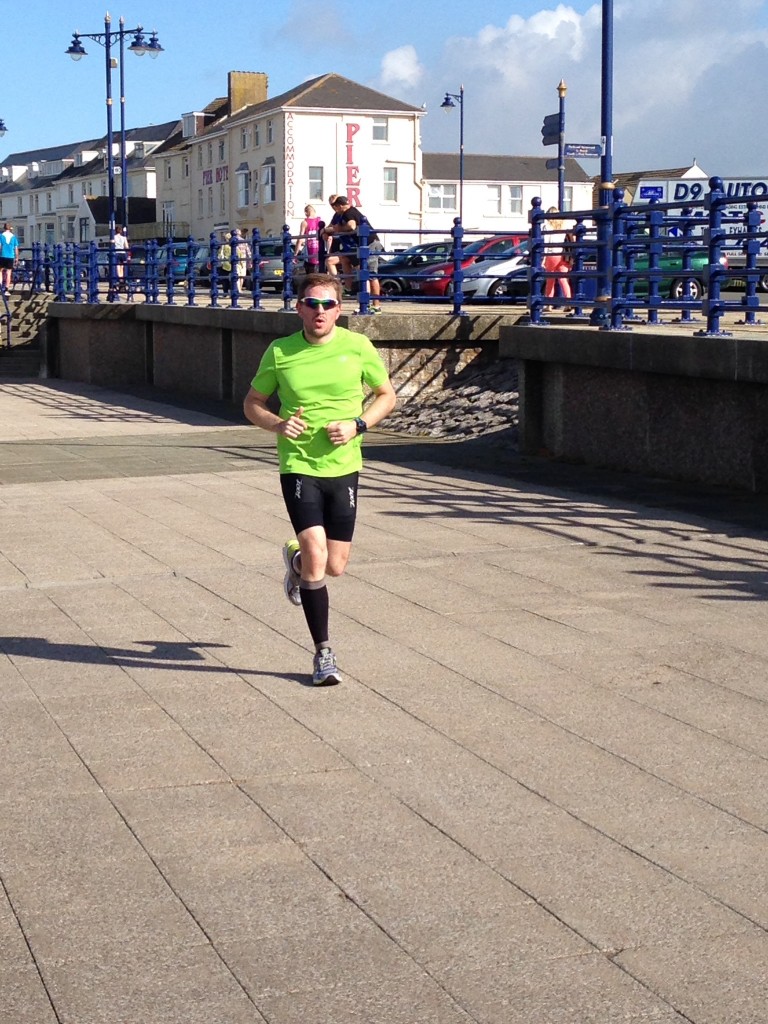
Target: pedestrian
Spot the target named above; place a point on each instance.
(225, 263)
(308, 239)
(556, 261)
(9, 256)
(346, 230)
(122, 252)
(240, 255)
(318, 374)
(331, 244)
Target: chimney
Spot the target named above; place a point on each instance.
(244, 88)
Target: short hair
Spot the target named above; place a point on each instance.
(319, 281)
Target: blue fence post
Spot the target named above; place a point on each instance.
(603, 218)
(363, 276)
(289, 261)
(715, 204)
(618, 272)
(655, 222)
(750, 301)
(214, 268)
(112, 295)
(153, 273)
(92, 262)
(169, 282)
(256, 274)
(577, 268)
(191, 275)
(59, 291)
(47, 268)
(535, 272)
(687, 229)
(457, 234)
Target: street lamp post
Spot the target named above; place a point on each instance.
(562, 89)
(139, 46)
(601, 314)
(448, 105)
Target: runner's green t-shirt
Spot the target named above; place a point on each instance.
(326, 380)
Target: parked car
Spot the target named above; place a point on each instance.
(271, 266)
(675, 284)
(437, 280)
(396, 274)
(484, 279)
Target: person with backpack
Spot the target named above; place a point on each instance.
(309, 240)
(346, 231)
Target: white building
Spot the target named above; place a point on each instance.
(260, 165)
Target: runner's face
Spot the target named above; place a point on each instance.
(318, 323)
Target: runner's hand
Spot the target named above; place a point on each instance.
(293, 426)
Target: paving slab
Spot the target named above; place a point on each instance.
(538, 797)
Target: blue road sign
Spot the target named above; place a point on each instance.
(550, 130)
(552, 165)
(652, 192)
(584, 150)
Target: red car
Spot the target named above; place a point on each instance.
(438, 280)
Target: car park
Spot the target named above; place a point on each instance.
(396, 274)
(437, 281)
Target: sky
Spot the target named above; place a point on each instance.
(688, 75)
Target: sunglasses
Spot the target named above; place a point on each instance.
(321, 303)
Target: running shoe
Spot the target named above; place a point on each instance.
(325, 672)
(292, 579)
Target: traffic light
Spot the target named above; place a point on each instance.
(550, 130)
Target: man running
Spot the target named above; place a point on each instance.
(319, 373)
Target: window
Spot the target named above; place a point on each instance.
(199, 158)
(37, 202)
(316, 188)
(516, 199)
(390, 185)
(70, 231)
(48, 202)
(88, 190)
(167, 170)
(21, 234)
(19, 207)
(70, 196)
(1, 207)
(104, 186)
(185, 166)
(210, 200)
(209, 148)
(492, 200)
(222, 198)
(568, 197)
(442, 197)
(245, 138)
(257, 135)
(221, 150)
(270, 132)
(269, 181)
(49, 236)
(243, 176)
(200, 206)
(169, 217)
(381, 129)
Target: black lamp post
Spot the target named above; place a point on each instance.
(448, 105)
(139, 46)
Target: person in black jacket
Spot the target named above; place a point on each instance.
(346, 231)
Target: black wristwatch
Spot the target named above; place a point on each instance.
(361, 425)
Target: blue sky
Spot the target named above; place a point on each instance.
(688, 81)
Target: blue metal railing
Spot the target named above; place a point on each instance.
(661, 257)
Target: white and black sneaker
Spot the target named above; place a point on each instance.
(324, 670)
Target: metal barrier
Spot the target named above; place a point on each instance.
(662, 257)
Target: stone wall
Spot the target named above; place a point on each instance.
(214, 353)
(666, 404)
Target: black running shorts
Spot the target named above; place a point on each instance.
(327, 501)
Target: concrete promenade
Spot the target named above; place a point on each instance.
(540, 795)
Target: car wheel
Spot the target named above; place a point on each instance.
(389, 286)
(496, 289)
(688, 288)
(762, 283)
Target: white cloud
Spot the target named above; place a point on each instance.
(688, 80)
(401, 68)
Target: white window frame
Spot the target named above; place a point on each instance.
(442, 197)
(515, 195)
(243, 188)
(270, 132)
(389, 185)
(380, 129)
(493, 200)
(269, 182)
(316, 188)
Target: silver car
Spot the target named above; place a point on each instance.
(485, 279)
